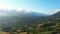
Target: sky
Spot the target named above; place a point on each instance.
(41, 6)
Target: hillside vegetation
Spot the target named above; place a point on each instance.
(32, 24)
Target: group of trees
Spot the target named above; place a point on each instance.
(46, 27)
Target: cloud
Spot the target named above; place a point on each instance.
(56, 10)
(4, 7)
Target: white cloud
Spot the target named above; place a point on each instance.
(56, 10)
(4, 6)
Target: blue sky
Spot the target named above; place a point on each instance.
(42, 6)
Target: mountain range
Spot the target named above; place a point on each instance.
(22, 17)
(30, 22)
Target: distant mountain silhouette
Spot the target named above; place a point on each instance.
(21, 17)
(54, 17)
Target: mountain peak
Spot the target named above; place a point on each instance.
(58, 12)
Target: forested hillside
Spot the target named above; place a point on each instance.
(31, 23)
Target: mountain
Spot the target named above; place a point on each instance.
(7, 18)
(33, 22)
(53, 18)
(57, 15)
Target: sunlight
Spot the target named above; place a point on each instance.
(3, 6)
